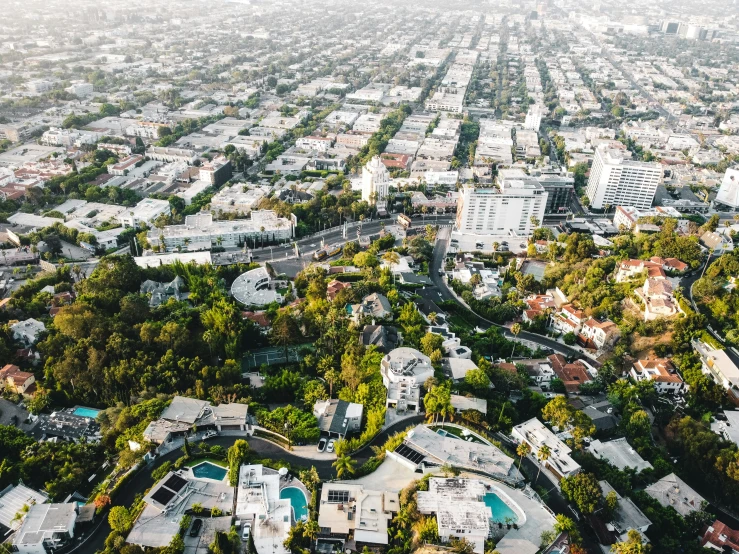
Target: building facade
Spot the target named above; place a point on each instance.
(617, 181)
(375, 181)
(505, 210)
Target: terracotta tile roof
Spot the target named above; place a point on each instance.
(666, 371)
(260, 318)
(507, 367)
(572, 375)
(335, 287)
(719, 535)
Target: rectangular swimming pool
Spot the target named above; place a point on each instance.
(86, 412)
(208, 470)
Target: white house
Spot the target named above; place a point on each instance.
(404, 371)
(45, 527)
(661, 371)
(27, 331)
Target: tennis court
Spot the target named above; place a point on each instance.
(274, 355)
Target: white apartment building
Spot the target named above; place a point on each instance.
(144, 213)
(533, 118)
(404, 371)
(447, 99)
(504, 210)
(80, 90)
(200, 232)
(375, 181)
(236, 198)
(617, 181)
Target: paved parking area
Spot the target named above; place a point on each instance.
(199, 544)
(390, 476)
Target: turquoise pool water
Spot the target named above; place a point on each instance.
(86, 412)
(298, 500)
(445, 434)
(207, 470)
(501, 510)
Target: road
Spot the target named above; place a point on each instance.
(263, 448)
(545, 342)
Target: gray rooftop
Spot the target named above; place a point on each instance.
(618, 453)
(44, 521)
(12, 500)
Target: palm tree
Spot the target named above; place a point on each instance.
(343, 465)
(496, 245)
(523, 450)
(261, 230)
(515, 329)
(433, 317)
(543, 456)
(391, 258)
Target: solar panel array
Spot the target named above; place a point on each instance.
(175, 483)
(163, 496)
(410, 454)
(338, 496)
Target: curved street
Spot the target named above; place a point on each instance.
(545, 342)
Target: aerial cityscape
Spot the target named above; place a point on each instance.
(335, 277)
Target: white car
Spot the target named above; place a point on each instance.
(246, 532)
(210, 434)
(330, 446)
(321, 445)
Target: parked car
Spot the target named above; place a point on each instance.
(210, 434)
(322, 444)
(246, 532)
(196, 526)
(330, 447)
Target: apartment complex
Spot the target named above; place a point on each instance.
(618, 181)
(200, 232)
(504, 210)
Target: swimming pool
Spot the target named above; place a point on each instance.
(208, 470)
(502, 512)
(298, 500)
(86, 412)
(444, 433)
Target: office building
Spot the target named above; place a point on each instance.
(507, 209)
(618, 181)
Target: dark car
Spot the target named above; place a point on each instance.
(196, 526)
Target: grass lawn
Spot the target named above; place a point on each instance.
(201, 459)
(458, 433)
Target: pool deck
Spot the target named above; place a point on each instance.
(533, 518)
